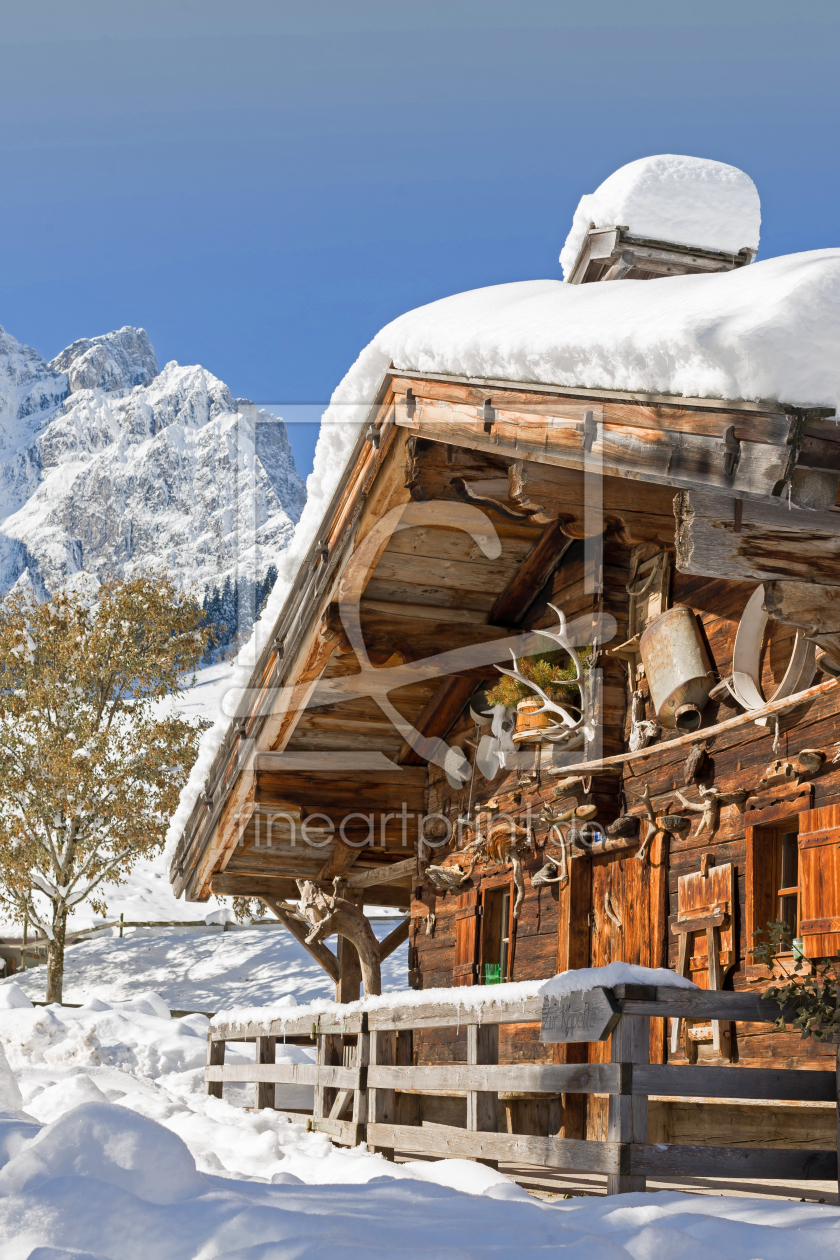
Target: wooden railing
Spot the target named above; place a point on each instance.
(364, 1058)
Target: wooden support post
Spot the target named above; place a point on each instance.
(360, 1095)
(330, 1053)
(381, 1102)
(574, 900)
(215, 1058)
(482, 1106)
(348, 987)
(627, 1114)
(264, 1092)
(349, 984)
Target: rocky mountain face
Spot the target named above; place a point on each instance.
(111, 467)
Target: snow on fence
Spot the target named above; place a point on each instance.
(365, 1057)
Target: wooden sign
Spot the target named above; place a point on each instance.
(579, 1016)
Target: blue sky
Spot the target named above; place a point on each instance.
(263, 185)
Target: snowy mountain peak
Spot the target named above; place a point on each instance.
(115, 361)
(111, 467)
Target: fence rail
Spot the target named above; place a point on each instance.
(367, 1057)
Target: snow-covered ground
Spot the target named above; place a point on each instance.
(201, 970)
(111, 1150)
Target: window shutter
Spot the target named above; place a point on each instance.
(819, 881)
(466, 939)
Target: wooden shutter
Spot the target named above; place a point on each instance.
(466, 939)
(819, 881)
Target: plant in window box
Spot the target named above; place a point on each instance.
(808, 998)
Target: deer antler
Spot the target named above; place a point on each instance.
(709, 807)
(569, 725)
(653, 825)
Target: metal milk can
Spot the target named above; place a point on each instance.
(677, 667)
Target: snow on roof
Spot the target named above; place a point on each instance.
(768, 331)
(685, 200)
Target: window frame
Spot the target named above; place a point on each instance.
(491, 950)
(764, 889)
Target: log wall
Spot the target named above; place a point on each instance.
(556, 930)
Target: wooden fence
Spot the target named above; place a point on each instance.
(364, 1058)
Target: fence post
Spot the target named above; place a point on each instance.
(215, 1058)
(265, 1089)
(627, 1115)
(381, 1102)
(360, 1095)
(482, 1105)
(330, 1054)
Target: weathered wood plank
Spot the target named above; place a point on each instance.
(698, 415)
(590, 1016)
(627, 1115)
(214, 1063)
(732, 1161)
(768, 541)
(549, 1078)
(697, 1081)
(667, 457)
(264, 1093)
(670, 1001)
(452, 1014)
(382, 874)
(655, 751)
(482, 1105)
(285, 1074)
(703, 1004)
(568, 1153)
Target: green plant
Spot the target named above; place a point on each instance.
(93, 756)
(809, 1002)
(554, 672)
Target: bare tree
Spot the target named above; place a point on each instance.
(92, 755)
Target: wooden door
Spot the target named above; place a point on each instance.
(628, 920)
(466, 939)
(819, 881)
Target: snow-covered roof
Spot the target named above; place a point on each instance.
(670, 197)
(769, 331)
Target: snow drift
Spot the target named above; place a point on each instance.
(107, 1161)
(684, 200)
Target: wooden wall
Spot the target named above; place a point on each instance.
(571, 927)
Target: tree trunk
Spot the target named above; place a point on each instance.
(55, 955)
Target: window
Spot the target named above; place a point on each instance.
(773, 877)
(786, 855)
(495, 936)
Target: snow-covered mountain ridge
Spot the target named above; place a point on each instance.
(112, 467)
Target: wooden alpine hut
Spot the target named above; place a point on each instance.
(557, 671)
